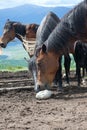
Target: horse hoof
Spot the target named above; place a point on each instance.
(83, 82)
(66, 85)
(60, 91)
(64, 75)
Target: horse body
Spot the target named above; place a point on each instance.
(72, 27)
(80, 57)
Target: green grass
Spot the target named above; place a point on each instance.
(13, 58)
(13, 65)
(21, 64)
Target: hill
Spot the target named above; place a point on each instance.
(29, 13)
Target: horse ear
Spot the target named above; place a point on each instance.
(8, 20)
(44, 48)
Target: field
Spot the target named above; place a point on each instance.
(12, 58)
(20, 110)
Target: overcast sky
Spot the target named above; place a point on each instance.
(13, 3)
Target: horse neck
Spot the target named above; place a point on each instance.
(70, 48)
(61, 46)
(20, 30)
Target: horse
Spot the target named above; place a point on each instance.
(14, 29)
(72, 27)
(44, 30)
(46, 27)
(80, 57)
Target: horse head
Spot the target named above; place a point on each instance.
(8, 33)
(44, 59)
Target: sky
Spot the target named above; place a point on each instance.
(14, 3)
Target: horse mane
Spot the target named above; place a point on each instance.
(32, 26)
(71, 25)
(19, 28)
(47, 25)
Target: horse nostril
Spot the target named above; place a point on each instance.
(3, 45)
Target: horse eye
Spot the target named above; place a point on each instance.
(39, 64)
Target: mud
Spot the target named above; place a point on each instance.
(20, 110)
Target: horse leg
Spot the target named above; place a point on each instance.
(86, 69)
(78, 75)
(58, 77)
(83, 76)
(83, 71)
(67, 61)
(76, 72)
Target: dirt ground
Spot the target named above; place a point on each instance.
(20, 110)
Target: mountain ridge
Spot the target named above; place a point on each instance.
(30, 13)
(25, 14)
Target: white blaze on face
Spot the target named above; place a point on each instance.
(0, 50)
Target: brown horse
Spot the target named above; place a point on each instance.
(73, 26)
(14, 29)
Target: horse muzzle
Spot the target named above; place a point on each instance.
(40, 87)
(2, 45)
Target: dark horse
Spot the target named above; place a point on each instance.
(73, 27)
(46, 27)
(14, 29)
(80, 57)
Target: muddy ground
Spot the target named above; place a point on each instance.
(20, 110)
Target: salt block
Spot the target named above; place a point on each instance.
(45, 94)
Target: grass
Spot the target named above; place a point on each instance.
(13, 67)
(21, 64)
(12, 58)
